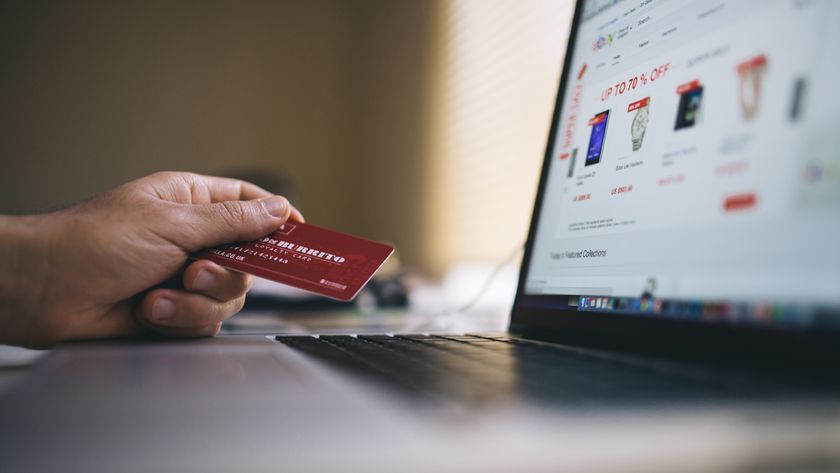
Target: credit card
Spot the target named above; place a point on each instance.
(308, 257)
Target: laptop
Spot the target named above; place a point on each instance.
(678, 306)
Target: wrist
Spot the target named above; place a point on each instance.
(24, 264)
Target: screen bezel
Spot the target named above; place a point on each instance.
(647, 334)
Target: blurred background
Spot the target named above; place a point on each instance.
(418, 122)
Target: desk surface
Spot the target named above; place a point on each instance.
(15, 362)
(161, 426)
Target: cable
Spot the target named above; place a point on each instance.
(489, 281)
(433, 318)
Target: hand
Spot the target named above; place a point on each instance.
(98, 270)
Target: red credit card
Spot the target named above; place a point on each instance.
(308, 257)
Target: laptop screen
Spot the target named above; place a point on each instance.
(695, 167)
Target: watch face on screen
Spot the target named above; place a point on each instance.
(572, 160)
(639, 123)
(596, 138)
(750, 77)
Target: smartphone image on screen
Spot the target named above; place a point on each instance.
(688, 111)
(799, 89)
(596, 139)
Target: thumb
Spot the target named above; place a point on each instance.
(235, 220)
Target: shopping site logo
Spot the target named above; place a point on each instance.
(603, 41)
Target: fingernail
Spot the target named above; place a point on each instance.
(163, 309)
(277, 206)
(203, 281)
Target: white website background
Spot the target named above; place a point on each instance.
(740, 198)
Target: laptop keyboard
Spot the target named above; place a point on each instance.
(478, 368)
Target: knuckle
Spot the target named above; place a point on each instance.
(203, 313)
(209, 331)
(238, 304)
(240, 283)
(173, 215)
(164, 175)
(233, 213)
(247, 283)
(187, 179)
(220, 312)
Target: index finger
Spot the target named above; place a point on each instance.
(190, 188)
(212, 189)
(221, 189)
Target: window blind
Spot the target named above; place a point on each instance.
(495, 72)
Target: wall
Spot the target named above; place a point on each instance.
(98, 92)
(495, 69)
(387, 118)
(377, 110)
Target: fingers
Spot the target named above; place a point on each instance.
(190, 188)
(296, 215)
(212, 189)
(181, 313)
(233, 220)
(217, 210)
(212, 280)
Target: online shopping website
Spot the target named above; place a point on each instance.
(696, 164)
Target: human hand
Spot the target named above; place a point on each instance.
(100, 269)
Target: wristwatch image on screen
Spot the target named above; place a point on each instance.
(639, 125)
(751, 73)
